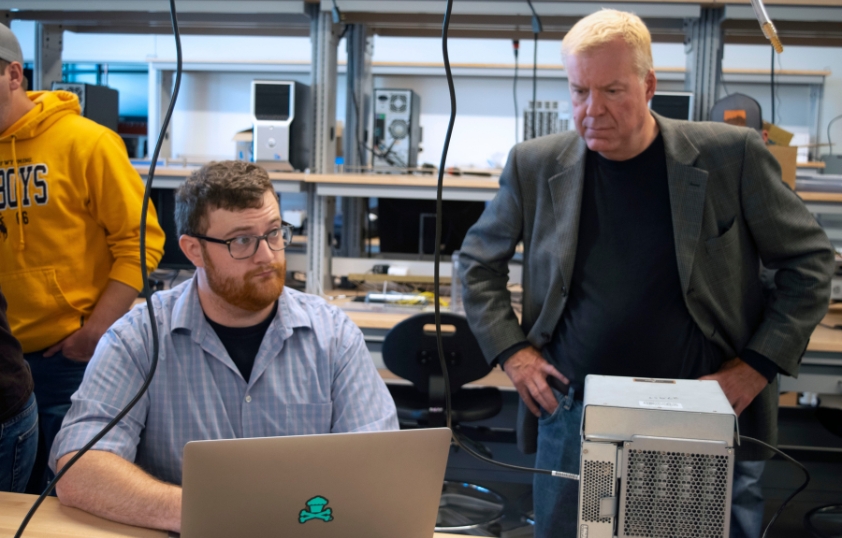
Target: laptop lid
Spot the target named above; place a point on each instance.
(371, 485)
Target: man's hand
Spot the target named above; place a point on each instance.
(79, 346)
(740, 382)
(115, 301)
(528, 371)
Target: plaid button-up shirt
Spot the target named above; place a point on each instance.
(312, 374)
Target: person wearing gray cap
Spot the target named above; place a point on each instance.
(70, 205)
(18, 412)
(18, 409)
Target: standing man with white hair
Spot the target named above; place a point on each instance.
(643, 238)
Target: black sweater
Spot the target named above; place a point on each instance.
(15, 378)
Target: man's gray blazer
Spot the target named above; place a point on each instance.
(730, 211)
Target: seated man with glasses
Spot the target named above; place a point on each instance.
(240, 356)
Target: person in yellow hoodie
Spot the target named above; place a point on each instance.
(70, 207)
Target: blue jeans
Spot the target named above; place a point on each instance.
(556, 500)
(56, 379)
(747, 500)
(18, 445)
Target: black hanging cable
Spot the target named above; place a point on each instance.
(516, 48)
(436, 276)
(829, 143)
(537, 28)
(792, 495)
(772, 84)
(534, 83)
(146, 290)
(339, 18)
(336, 15)
(778, 102)
(352, 67)
(360, 143)
(721, 79)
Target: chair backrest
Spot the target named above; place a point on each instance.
(831, 418)
(411, 352)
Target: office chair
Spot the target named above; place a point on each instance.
(826, 521)
(411, 352)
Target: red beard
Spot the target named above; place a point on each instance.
(251, 293)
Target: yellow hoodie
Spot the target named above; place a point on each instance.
(69, 219)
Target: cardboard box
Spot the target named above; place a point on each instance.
(777, 136)
(786, 156)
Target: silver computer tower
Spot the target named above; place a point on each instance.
(397, 130)
(657, 459)
(281, 113)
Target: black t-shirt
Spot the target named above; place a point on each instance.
(15, 378)
(626, 314)
(243, 343)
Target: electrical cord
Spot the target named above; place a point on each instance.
(338, 18)
(721, 79)
(388, 155)
(436, 276)
(778, 101)
(772, 84)
(516, 48)
(537, 28)
(360, 143)
(146, 290)
(829, 143)
(534, 81)
(792, 495)
(385, 155)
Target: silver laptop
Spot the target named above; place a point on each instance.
(371, 485)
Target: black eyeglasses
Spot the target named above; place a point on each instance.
(245, 246)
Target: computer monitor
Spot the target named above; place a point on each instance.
(675, 105)
(164, 202)
(272, 100)
(409, 226)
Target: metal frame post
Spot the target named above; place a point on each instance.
(48, 45)
(815, 115)
(320, 209)
(359, 88)
(160, 94)
(703, 43)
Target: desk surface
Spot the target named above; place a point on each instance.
(408, 180)
(55, 520)
(397, 180)
(823, 339)
(830, 197)
(349, 184)
(184, 171)
(496, 378)
(479, 182)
